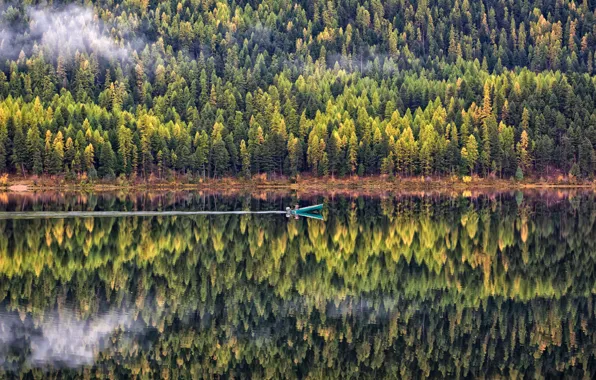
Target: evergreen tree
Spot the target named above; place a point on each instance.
(47, 156)
(469, 153)
(34, 149)
(294, 155)
(4, 146)
(57, 154)
(107, 161)
(523, 155)
(245, 157)
(220, 158)
(201, 146)
(333, 153)
(89, 157)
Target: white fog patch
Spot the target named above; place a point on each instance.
(61, 340)
(60, 31)
(75, 343)
(385, 64)
(74, 28)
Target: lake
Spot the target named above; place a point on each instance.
(397, 285)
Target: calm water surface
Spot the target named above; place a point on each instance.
(400, 286)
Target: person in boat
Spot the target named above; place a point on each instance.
(289, 211)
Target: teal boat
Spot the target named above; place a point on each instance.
(307, 212)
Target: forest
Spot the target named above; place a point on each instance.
(204, 88)
(420, 287)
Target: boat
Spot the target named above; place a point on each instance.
(307, 212)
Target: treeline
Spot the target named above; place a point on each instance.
(501, 88)
(441, 287)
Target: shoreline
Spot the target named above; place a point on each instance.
(373, 184)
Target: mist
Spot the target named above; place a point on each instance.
(65, 340)
(58, 31)
(59, 340)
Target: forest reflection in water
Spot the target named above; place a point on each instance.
(404, 285)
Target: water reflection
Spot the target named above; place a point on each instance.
(408, 285)
(59, 339)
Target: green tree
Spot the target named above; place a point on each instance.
(125, 149)
(523, 155)
(201, 153)
(57, 154)
(47, 155)
(294, 155)
(587, 158)
(4, 144)
(469, 153)
(19, 152)
(107, 162)
(220, 158)
(245, 157)
(353, 152)
(507, 144)
(89, 157)
(34, 149)
(519, 174)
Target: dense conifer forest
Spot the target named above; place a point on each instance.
(204, 88)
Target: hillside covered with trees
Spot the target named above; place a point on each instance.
(218, 88)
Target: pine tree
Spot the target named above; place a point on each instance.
(233, 152)
(407, 151)
(314, 153)
(220, 158)
(57, 154)
(525, 122)
(77, 162)
(487, 109)
(333, 152)
(543, 153)
(4, 144)
(145, 125)
(160, 163)
(245, 157)
(83, 80)
(353, 153)
(388, 165)
(89, 157)
(519, 174)
(469, 153)
(69, 152)
(135, 163)
(294, 154)
(586, 158)
(61, 72)
(485, 156)
(428, 148)
(523, 156)
(107, 161)
(47, 156)
(125, 148)
(507, 143)
(323, 166)
(201, 146)
(140, 82)
(34, 149)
